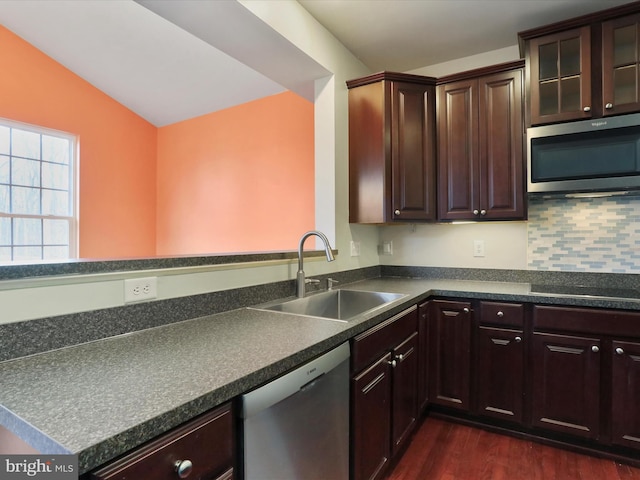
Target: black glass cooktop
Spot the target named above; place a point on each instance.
(586, 291)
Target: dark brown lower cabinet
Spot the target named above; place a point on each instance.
(204, 447)
(450, 327)
(566, 384)
(371, 390)
(625, 411)
(384, 393)
(500, 381)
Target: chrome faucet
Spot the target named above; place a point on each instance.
(301, 281)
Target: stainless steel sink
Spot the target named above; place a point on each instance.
(338, 304)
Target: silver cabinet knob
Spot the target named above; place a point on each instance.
(619, 351)
(595, 349)
(500, 314)
(397, 212)
(393, 363)
(400, 357)
(518, 339)
(466, 310)
(586, 109)
(183, 468)
(476, 212)
(609, 106)
(483, 212)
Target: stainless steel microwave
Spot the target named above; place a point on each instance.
(599, 155)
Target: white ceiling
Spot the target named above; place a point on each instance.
(169, 60)
(404, 35)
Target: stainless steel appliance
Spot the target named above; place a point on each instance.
(585, 156)
(297, 426)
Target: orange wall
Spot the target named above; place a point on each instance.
(240, 179)
(117, 148)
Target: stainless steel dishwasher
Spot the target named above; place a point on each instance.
(297, 426)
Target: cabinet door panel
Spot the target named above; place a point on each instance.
(457, 150)
(371, 422)
(566, 384)
(500, 381)
(626, 394)
(501, 145)
(405, 391)
(450, 354)
(413, 152)
(560, 73)
(423, 355)
(620, 65)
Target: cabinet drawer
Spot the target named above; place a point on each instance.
(370, 345)
(496, 313)
(206, 442)
(590, 321)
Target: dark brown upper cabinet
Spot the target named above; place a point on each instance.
(480, 144)
(392, 148)
(585, 67)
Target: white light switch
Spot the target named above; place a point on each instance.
(355, 249)
(478, 248)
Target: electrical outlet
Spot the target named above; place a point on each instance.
(355, 249)
(478, 248)
(140, 289)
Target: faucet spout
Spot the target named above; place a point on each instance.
(300, 277)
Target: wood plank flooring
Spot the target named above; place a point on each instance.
(442, 450)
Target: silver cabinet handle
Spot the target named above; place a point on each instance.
(397, 212)
(518, 339)
(183, 468)
(586, 109)
(595, 349)
(619, 351)
(476, 212)
(400, 357)
(483, 212)
(393, 363)
(609, 106)
(500, 314)
(465, 310)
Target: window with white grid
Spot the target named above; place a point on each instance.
(38, 219)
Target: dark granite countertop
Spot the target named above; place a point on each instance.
(103, 398)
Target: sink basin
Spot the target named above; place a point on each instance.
(338, 304)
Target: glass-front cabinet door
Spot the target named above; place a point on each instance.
(620, 64)
(560, 74)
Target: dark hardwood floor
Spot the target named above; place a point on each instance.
(442, 450)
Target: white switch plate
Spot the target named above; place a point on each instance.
(387, 248)
(478, 248)
(140, 289)
(355, 249)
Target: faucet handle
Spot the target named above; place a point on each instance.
(311, 280)
(330, 283)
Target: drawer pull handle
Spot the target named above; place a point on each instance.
(595, 349)
(184, 468)
(500, 314)
(466, 310)
(609, 106)
(619, 351)
(586, 109)
(518, 339)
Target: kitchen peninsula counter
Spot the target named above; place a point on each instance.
(103, 398)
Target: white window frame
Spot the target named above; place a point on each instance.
(73, 219)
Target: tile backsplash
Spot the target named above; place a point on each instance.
(584, 235)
